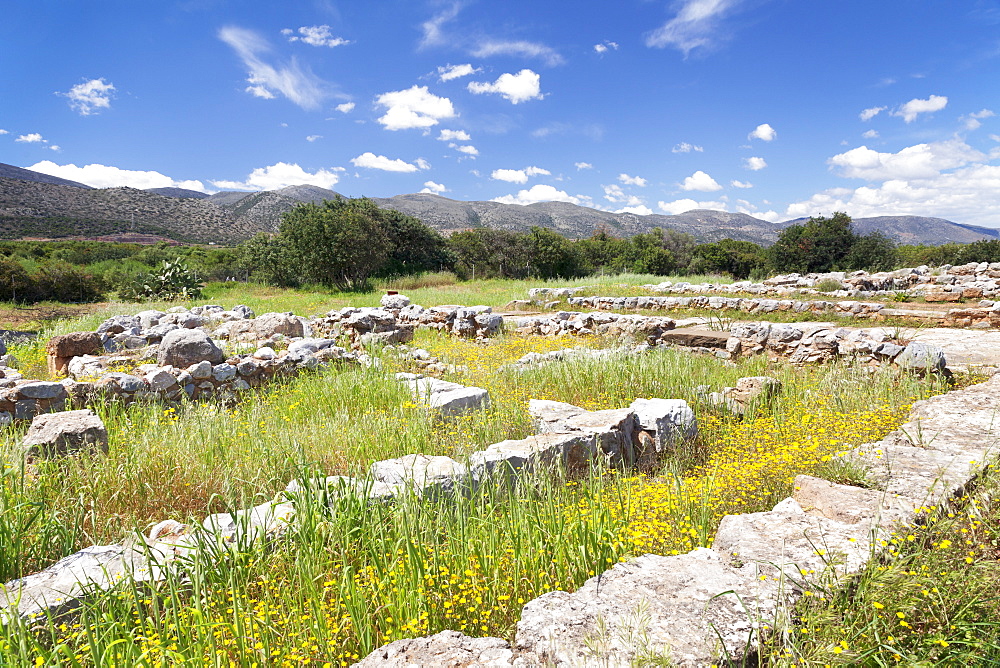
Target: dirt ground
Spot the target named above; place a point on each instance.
(31, 318)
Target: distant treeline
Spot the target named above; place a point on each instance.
(347, 243)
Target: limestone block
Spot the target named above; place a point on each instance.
(447, 648)
(57, 434)
(185, 347)
(426, 475)
(671, 420)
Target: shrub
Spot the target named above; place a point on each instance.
(173, 280)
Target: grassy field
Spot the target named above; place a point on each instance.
(350, 578)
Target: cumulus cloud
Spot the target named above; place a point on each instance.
(90, 97)
(488, 48)
(700, 181)
(909, 111)
(639, 210)
(449, 72)
(685, 147)
(541, 193)
(467, 149)
(106, 176)
(312, 138)
(369, 160)
(870, 113)
(695, 25)
(681, 205)
(345, 108)
(281, 175)
(764, 132)
(969, 195)
(741, 184)
(605, 46)
(973, 121)
(433, 188)
(520, 87)
(415, 107)
(454, 135)
(754, 164)
(4, 132)
(298, 85)
(632, 180)
(913, 162)
(870, 134)
(32, 138)
(518, 175)
(314, 36)
(582, 165)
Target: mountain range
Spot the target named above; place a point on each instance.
(38, 205)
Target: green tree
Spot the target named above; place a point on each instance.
(552, 254)
(872, 252)
(818, 245)
(266, 258)
(739, 259)
(337, 243)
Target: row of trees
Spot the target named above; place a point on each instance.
(344, 243)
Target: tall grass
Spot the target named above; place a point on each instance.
(349, 579)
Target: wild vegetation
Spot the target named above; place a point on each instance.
(351, 578)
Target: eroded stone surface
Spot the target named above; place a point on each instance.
(448, 649)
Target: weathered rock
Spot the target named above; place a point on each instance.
(425, 475)
(923, 357)
(550, 416)
(268, 520)
(74, 344)
(672, 608)
(448, 649)
(395, 301)
(448, 398)
(670, 420)
(57, 434)
(508, 459)
(185, 347)
(267, 325)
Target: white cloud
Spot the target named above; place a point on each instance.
(281, 175)
(518, 175)
(104, 176)
(582, 165)
(685, 147)
(909, 111)
(604, 46)
(300, 86)
(764, 132)
(467, 149)
(541, 193)
(422, 164)
(695, 25)
(870, 113)
(369, 160)
(449, 72)
(33, 138)
(912, 162)
(870, 134)
(700, 181)
(55, 147)
(345, 108)
(414, 107)
(632, 180)
(454, 135)
(4, 132)
(314, 36)
(973, 121)
(312, 138)
(639, 210)
(741, 184)
(433, 27)
(614, 193)
(433, 188)
(681, 205)
(969, 195)
(520, 87)
(524, 49)
(754, 164)
(90, 97)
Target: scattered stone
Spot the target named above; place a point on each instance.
(185, 347)
(60, 434)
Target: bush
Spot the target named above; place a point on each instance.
(173, 280)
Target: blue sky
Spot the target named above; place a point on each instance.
(775, 108)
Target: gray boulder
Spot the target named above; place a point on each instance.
(447, 648)
(184, 347)
(922, 357)
(670, 420)
(427, 475)
(267, 325)
(58, 434)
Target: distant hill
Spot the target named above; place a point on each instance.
(182, 193)
(37, 205)
(21, 174)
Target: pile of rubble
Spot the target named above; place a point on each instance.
(716, 303)
(611, 325)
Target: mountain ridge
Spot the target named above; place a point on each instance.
(33, 205)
